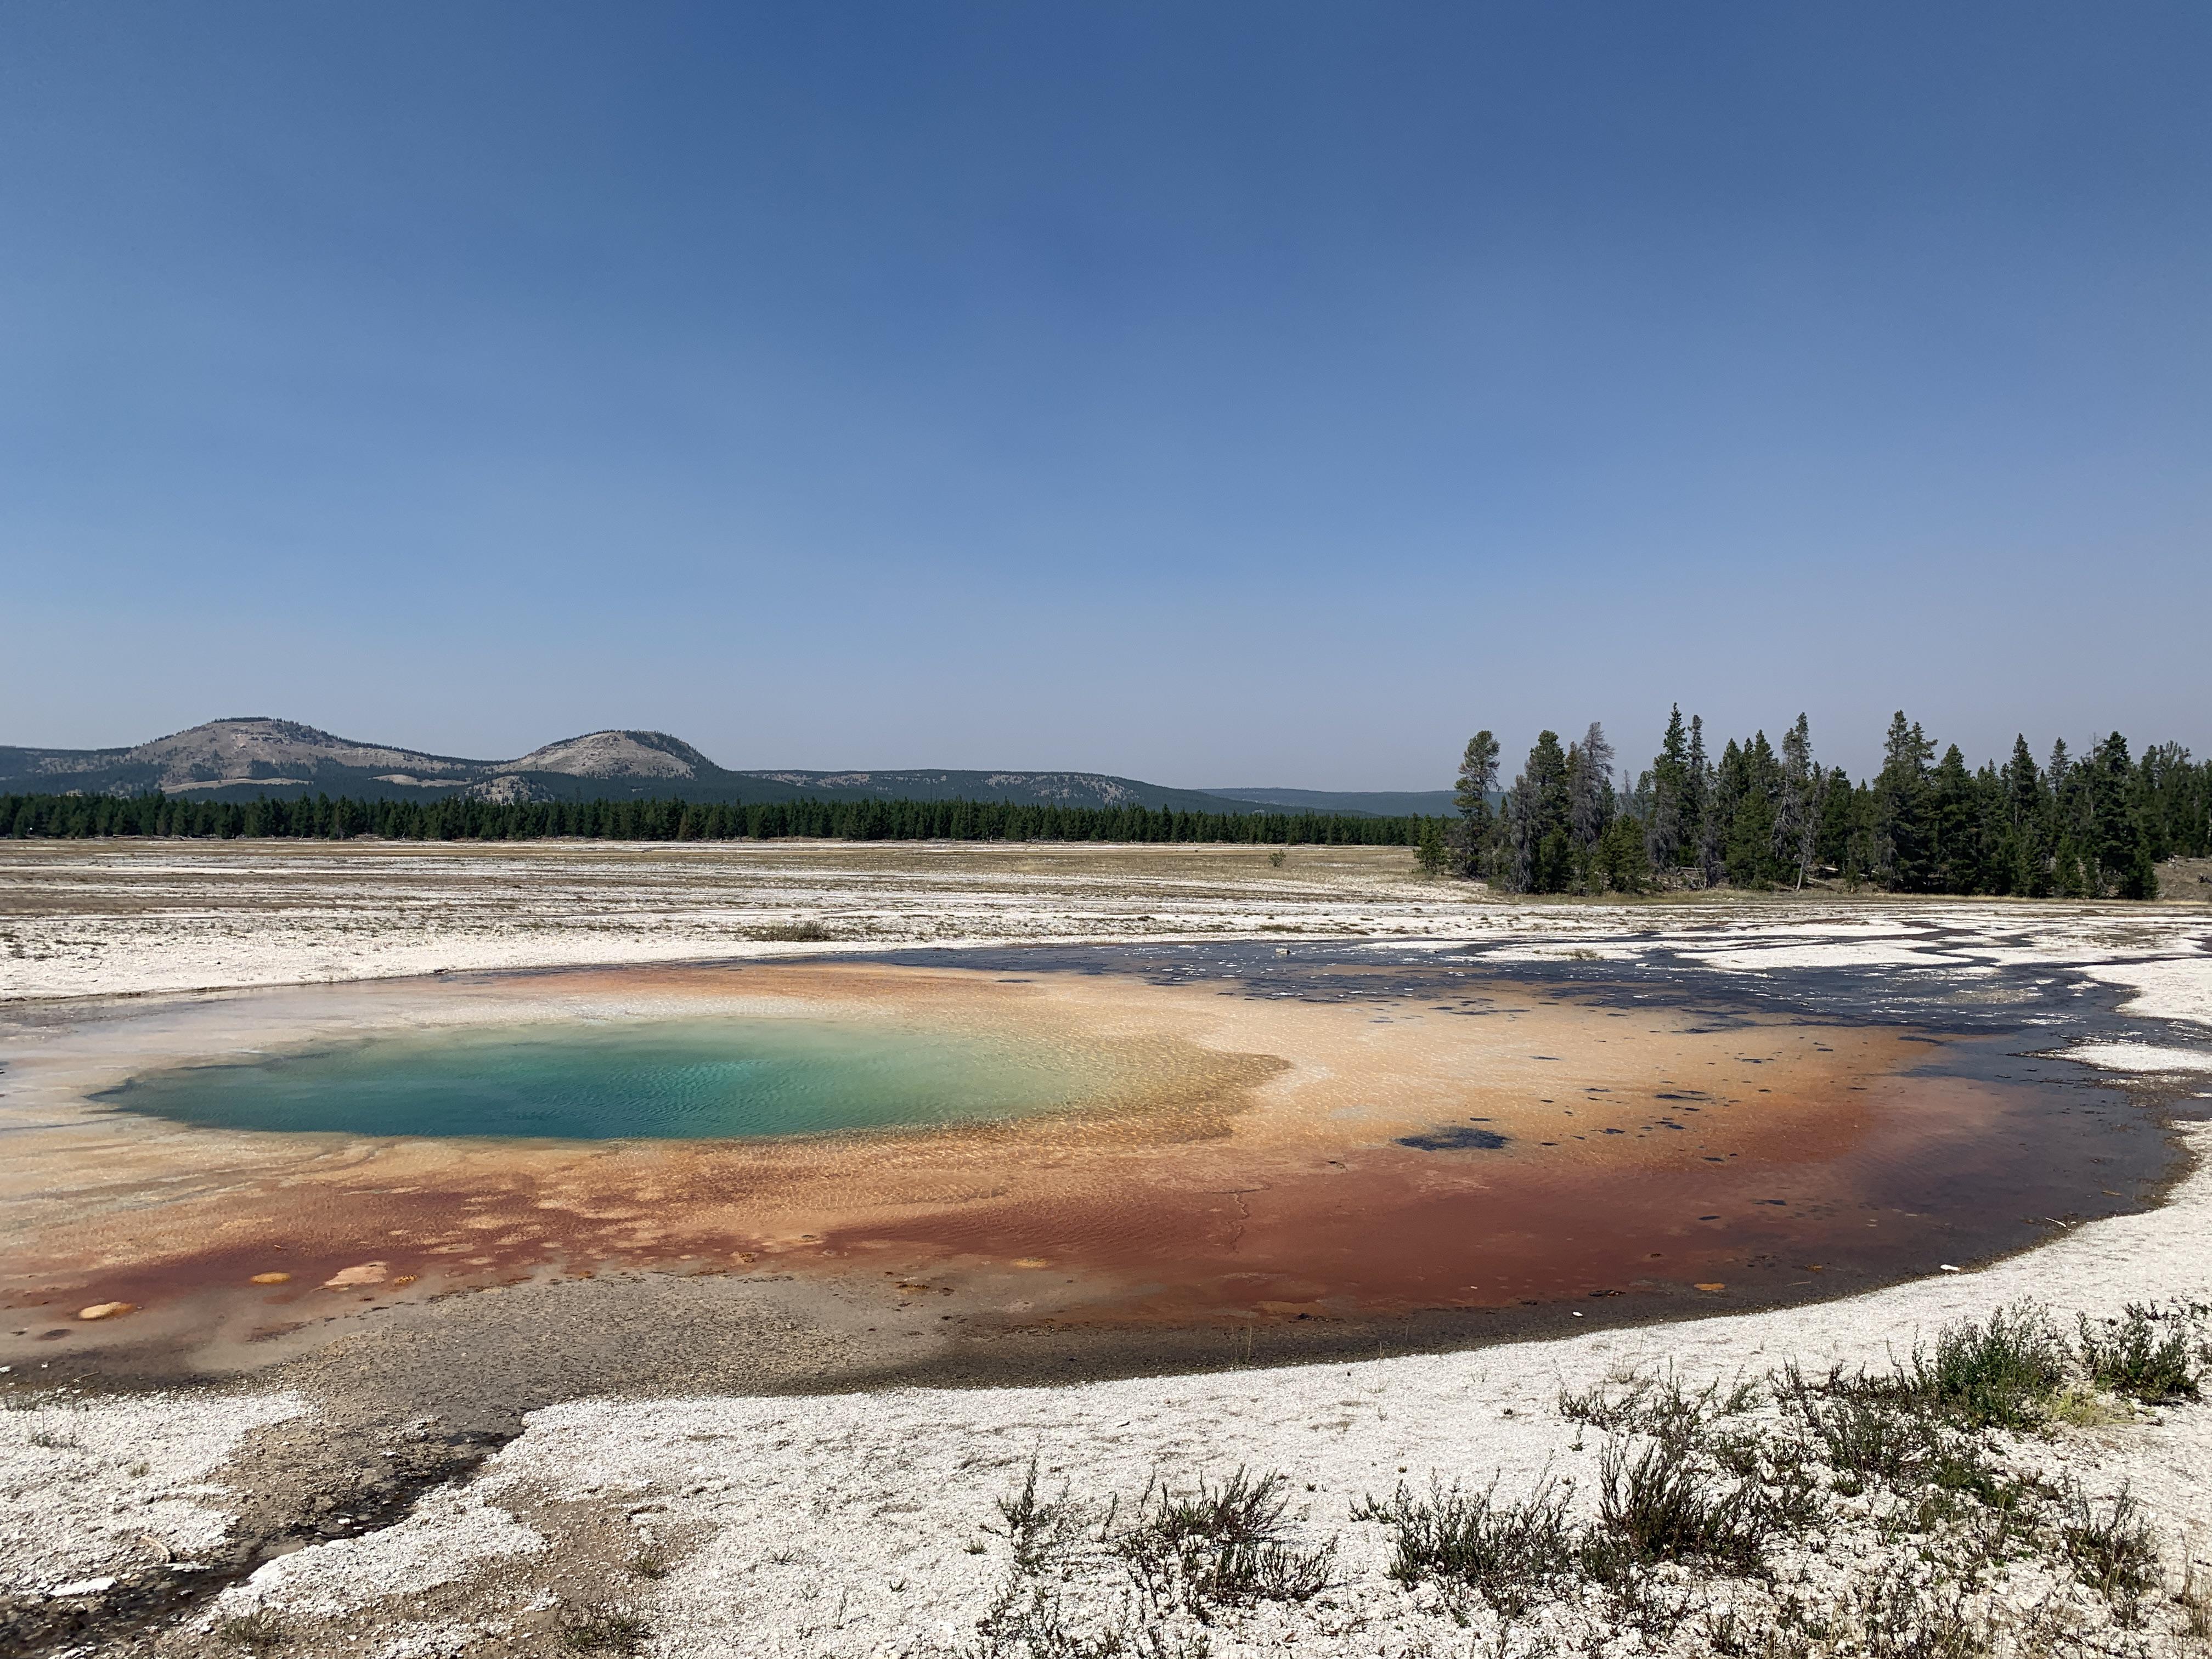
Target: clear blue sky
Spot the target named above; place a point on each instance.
(1256, 393)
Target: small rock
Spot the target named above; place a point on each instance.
(83, 1587)
(106, 1310)
(272, 1279)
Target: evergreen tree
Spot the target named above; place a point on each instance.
(2023, 792)
(1539, 821)
(1635, 802)
(1700, 812)
(1622, 865)
(1957, 852)
(2122, 846)
(1590, 794)
(1721, 801)
(2024, 850)
(1751, 837)
(1477, 777)
(1838, 822)
(2073, 861)
(1903, 834)
(2070, 877)
(2176, 802)
(1861, 856)
(1669, 827)
(2156, 796)
(1797, 807)
(1429, 854)
(1745, 797)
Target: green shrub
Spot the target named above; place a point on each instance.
(1224, 1544)
(1505, 1553)
(2112, 1552)
(1663, 1505)
(2002, 1374)
(2134, 1356)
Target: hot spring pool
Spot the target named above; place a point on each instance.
(701, 1078)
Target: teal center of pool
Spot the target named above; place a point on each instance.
(597, 1080)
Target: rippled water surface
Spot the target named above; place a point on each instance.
(664, 1080)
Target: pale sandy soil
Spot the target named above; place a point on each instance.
(117, 918)
(84, 919)
(856, 1524)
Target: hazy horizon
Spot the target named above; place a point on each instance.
(1176, 393)
(1628, 763)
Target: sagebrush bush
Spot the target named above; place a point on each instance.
(2146, 1354)
(1505, 1553)
(2001, 1374)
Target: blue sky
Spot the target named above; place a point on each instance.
(1263, 394)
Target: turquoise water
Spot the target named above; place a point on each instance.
(663, 1079)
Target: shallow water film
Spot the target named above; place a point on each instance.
(1094, 1157)
(702, 1079)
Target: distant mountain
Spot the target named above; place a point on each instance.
(239, 759)
(1043, 788)
(1383, 803)
(224, 756)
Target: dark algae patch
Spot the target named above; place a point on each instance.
(1455, 1138)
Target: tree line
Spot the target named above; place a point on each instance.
(2094, 825)
(454, 818)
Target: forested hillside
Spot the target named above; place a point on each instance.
(2090, 826)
